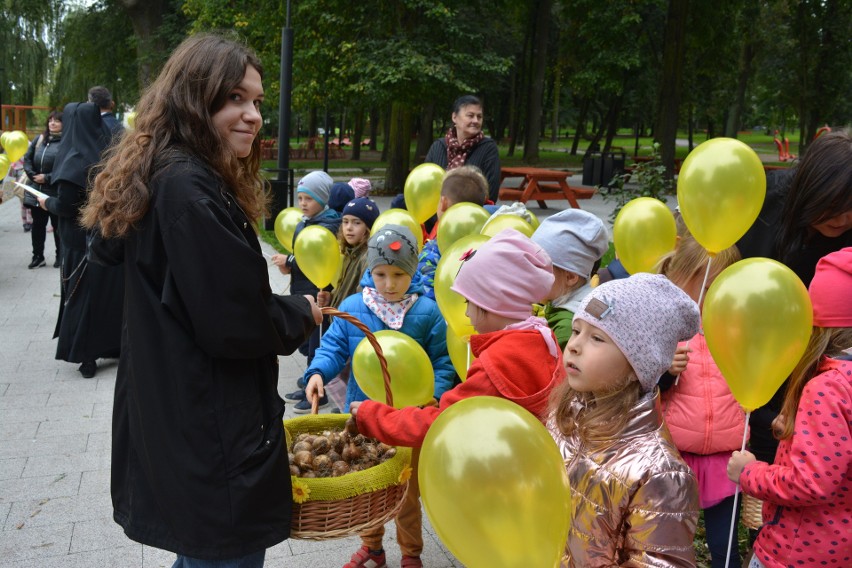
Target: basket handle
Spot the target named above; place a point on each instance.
(327, 311)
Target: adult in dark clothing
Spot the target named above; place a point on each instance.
(89, 322)
(103, 98)
(38, 164)
(465, 144)
(807, 214)
(199, 461)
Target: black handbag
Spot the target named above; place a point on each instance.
(29, 199)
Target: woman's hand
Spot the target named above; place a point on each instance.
(39, 178)
(315, 309)
(314, 387)
(42, 202)
(737, 463)
(680, 360)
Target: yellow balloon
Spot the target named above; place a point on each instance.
(757, 322)
(285, 226)
(411, 375)
(5, 164)
(399, 217)
(16, 145)
(131, 119)
(4, 137)
(423, 191)
(458, 221)
(720, 190)
(460, 354)
(451, 304)
(494, 485)
(644, 230)
(317, 254)
(534, 220)
(499, 222)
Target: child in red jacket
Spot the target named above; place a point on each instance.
(807, 493)
(517, 357)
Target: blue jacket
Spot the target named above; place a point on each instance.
(423, 323)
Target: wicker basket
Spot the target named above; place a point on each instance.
(751, 514)
(337, 507)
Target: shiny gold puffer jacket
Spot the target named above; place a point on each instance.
(635, 502)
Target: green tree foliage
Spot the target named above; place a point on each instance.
(28, 31)
(97, 48)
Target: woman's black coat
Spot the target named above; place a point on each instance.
(199, 463)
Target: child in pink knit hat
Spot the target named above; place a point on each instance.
(517, 357)
(361, 187)
(807, 502)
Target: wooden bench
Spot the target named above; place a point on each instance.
(542, 185)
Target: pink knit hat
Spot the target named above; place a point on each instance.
(506, 275)
(646, 316)
(831, 290)
(361, 186)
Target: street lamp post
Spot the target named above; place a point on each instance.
(282, 186)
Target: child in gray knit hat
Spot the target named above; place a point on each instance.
(576, 240)
(391, 299)
(634, 500)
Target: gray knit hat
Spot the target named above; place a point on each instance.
(646, 316)
(317, 185)
(394, 245)
(574, 239)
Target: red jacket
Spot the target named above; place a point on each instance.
(512, 364)
(699, 409)
(807, 493)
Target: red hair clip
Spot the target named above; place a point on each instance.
(468, 254)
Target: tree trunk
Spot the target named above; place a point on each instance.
(735, 111)
(671, 81)
(386, 126)
(146, 17)
(581, 125)
(357, 134)
(612, 121)
(399, 148)
(374, 129)
(554, 120)
(424, 135)
(536, 84)
(313, 123)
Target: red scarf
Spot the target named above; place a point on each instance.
(457, 151)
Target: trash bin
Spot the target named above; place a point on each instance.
(599, 168)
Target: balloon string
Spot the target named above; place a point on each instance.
(700, 299)
(704, 285)
(467, 352)
(736, 494)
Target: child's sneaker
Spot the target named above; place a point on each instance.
(295, 396)
(304, 407)
(364, 558)
(411, 562)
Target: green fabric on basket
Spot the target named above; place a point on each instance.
(384, 475)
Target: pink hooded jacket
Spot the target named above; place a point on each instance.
(807, 493)
(700, 411)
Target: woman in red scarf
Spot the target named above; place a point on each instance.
(465, 144)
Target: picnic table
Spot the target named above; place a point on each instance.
(541, 185)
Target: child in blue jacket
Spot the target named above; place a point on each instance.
(391, 298)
